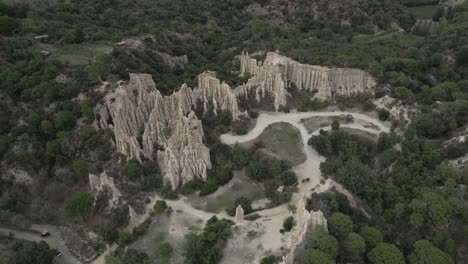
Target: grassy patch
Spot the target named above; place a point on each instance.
(360, 133)
(79, 54)
(240, 186)
(316, 122)
(370, 37)
(423, 12)
(283, 141)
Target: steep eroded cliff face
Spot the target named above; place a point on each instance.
(278, 73)
(164, 128)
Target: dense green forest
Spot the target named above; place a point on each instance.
(54, 54)
(406, 206)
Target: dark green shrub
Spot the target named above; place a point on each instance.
(160, 206)
(289, 223)
(8, 25)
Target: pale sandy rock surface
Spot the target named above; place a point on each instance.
(278, 72)
(102, 183)
(307, 221)
(460, 163)
(17, 175)
(219, 94)
(239, 214)
(143, 121)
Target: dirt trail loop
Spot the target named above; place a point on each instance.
(294, 118)
(311, 167)
(271, 219)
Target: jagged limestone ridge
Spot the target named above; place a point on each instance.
(165, 128)
(277, 72)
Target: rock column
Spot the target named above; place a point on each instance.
(239, 214)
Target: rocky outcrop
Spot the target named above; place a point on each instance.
(183, 156)
(126, 112)
(173, 61)
(302, 222)
(78, 244)
(423, 27)
(397, 110)
(164, 128)
(265, 80)
(17, 175)
(278, 73)
(212, 91)
(317, 218)
(103, 184)
(239, 214)
(305, 222)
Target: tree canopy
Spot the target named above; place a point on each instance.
(315, 256)
(35, 253)
(385, 253)
(371, 235)
(425, 253)
(79, 204)
(355, 244)
(340, 224)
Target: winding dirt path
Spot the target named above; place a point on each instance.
(271, 221)
(294, 118)
(55, 240)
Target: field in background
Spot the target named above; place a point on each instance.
(424, 12)
(281, 140)
(78, 54)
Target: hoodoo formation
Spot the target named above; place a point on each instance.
(277, 73)
(166, 129)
